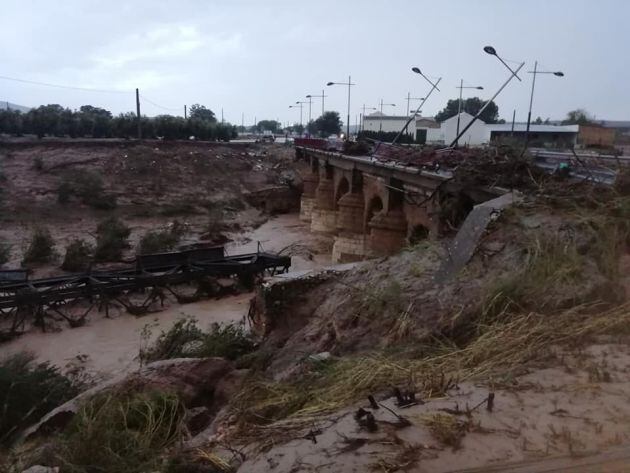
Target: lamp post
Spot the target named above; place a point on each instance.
(349, 84)
(531, 98)
(409, 99)
(459, 104)
(300, 107)
(309, 108)
(513, 73)
(317, 97)
(364, 108)
(380, 121)
(433, 87)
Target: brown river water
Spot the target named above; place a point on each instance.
(109, 346)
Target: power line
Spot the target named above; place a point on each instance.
(168, 109)
(58, 86)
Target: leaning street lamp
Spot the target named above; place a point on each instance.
(493, 52)
(531, 98)
(349, 84)
(459, 103)
(413, 116)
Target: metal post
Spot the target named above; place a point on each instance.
(322, 102)
(185, 113)
(138, 114)
(513, 120)
(459, 107)
(348, 124)
(408, 100)
(380, 119)
(531, 101)
(412, 117)
(514, 74)
(309, 109)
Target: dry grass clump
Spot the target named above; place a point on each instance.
(446, 428)
(267, 409)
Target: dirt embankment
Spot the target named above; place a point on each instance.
(69, 187)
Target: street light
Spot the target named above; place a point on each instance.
(309, 108)
(493, 52)
(317, 97)
(459, 104)
(363, 115)
(490, 50)
(433, 87)
(300, 107)
(531, 98)
(380, 121)
(349, 84)
(409, 99)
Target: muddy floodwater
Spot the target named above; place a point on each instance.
(109, 346)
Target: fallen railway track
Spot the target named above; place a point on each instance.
(73, 297)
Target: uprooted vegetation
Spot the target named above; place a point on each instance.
(78, 256)
(112, 236)
(41, 248)
(156, 241)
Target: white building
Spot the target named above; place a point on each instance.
(378, 121)
(476, 135)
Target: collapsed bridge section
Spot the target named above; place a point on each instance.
(74, 296)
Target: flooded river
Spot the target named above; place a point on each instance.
(110, 346)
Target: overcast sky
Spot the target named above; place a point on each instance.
(258, 57)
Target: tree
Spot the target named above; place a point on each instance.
(201, 113)
(577, 117)
(472, 106)
(297, 128)
(270, 125)
(538, 121)
(328, 124)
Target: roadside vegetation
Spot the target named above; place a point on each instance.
(156, 241)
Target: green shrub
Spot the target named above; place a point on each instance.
(121, 432)
(156, 241)
(78, 256)
(111, 239)
(186, 339)
(88, 187)
(29, 390)
(41, 248)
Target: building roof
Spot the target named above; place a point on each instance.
(380, 117)
(614, 123)
(522, 127)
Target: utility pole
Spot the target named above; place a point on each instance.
(221, 115)
(138, 114)
(185, 113)
(513, 120)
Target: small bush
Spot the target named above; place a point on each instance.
(121, 433)
(78, 256)
(41, 248)
(5, 253)
(111, 239)
(185, 339)
(88, 187)
(156, 241)
(28, 391)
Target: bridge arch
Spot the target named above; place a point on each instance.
(343, 187)
(375, 205)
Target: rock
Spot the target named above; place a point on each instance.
(197, 382)
(41, 469)
(323, 356)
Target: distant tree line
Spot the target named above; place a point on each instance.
(95, 122)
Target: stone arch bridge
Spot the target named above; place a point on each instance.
(373, 208)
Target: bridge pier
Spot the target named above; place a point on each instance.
(350, 242)
(307, 201)
(323, 214)
(388, 232)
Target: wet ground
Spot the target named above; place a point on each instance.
(108, 346)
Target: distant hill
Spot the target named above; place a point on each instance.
(4, 105)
